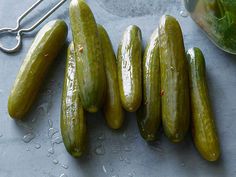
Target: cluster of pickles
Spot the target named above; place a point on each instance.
(163, 86)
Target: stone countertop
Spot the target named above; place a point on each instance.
(33, 148)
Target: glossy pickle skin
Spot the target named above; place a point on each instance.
(73, 121)
(129, 63)
(149, 113)
(113, 110)
(89, 58)
(203, 126)
(43, 51)
(174, 80)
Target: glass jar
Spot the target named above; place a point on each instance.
(218, 19)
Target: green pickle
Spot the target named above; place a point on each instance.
(43, 51)
(175, 99)
(89, 58)
(149, 114)
(113, 110)
(129, 63)
(73, 121)
(203, 126)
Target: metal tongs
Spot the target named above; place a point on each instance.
(20, 31)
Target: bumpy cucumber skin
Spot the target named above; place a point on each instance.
(43, 51)
(129, 63)
(113, 110)
(174, 80)
(73, 122)
(89, 58)
(149, 114)
(203, 126)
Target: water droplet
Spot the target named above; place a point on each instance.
(111, 169)
(115, 176)
(51, 150)
(51, 132)
(28, 137)
(64, 166)
(183, 13)
(37, 146)
(130, 175)
(55, 161)
(63, 175)
(101, 137)
(1, 135)
(57, 140)
(127, 149)
(27, 149)
(50, 123)
(127, 160)
(104, 169)
(99, 150)
(48, 155)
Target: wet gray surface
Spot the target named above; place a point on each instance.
(111, 153)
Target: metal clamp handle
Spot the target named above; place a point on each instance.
(19, 32)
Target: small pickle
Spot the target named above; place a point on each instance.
(149, 114)
(113, 110)
(129, 63)
(73, 122)
(203, 126)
